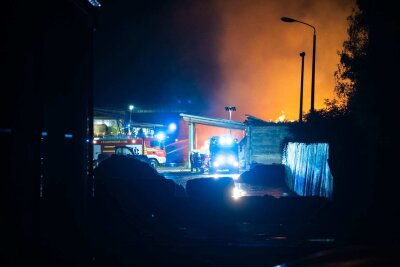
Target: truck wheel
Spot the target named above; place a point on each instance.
(153, 163)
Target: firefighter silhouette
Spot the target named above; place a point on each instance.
(197, 161)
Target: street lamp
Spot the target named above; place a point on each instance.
(302, 54)
(131, 107)
(286, 19)
(230, 109)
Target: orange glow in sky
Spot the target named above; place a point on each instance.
(259, 57)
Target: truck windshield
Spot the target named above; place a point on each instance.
(156, 143)
(123, 151)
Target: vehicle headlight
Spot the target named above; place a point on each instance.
(222, 140)
(220, 159)
(228, 140)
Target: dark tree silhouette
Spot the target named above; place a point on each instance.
(352, 57)
(360, 126)
(368, 69)
(362, 159)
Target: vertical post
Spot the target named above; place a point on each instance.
(230, 109)
(194, 137)
(191, 140)
(230, 118)
(313, 74)
(144, 152)
(130, 119)
(286, 19)
(129, 123)
(249, 150)
(90, 108)
(302, 54)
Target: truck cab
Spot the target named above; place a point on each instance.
(224, 154)
(130, 152)
(146, 147)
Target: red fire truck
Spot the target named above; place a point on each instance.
(148, 146)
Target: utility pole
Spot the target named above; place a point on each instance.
(230, 109)
(302, 54)
(286, 19)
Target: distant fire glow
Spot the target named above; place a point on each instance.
(259, 60)
(281, 118)
(204, 132)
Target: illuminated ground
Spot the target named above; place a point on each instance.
(257, 239)
(181, 175)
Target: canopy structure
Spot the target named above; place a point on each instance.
(216, 122)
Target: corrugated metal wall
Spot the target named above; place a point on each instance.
(265, 144)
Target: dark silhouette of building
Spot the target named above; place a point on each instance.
(45, 128)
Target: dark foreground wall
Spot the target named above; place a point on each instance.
(45, 111)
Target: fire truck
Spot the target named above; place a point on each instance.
(224, 154)
(151, 147)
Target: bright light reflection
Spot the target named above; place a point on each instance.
(94, 3)
(220, 159)
(222, 140)
(228, 141)
(235, 176)
(172, 127)
(161, 136)
(225, 140)
(238, 193)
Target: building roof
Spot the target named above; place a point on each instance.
(216, 122)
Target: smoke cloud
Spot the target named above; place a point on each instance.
(259, 61)
(254, 58)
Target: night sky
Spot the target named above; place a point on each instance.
(149, 55)
(204, 55)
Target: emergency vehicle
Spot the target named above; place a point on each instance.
(151, 147)
(224, 154)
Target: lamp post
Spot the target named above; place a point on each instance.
(302, 54)
(131, 107)
(230, 109)
(286, 19)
